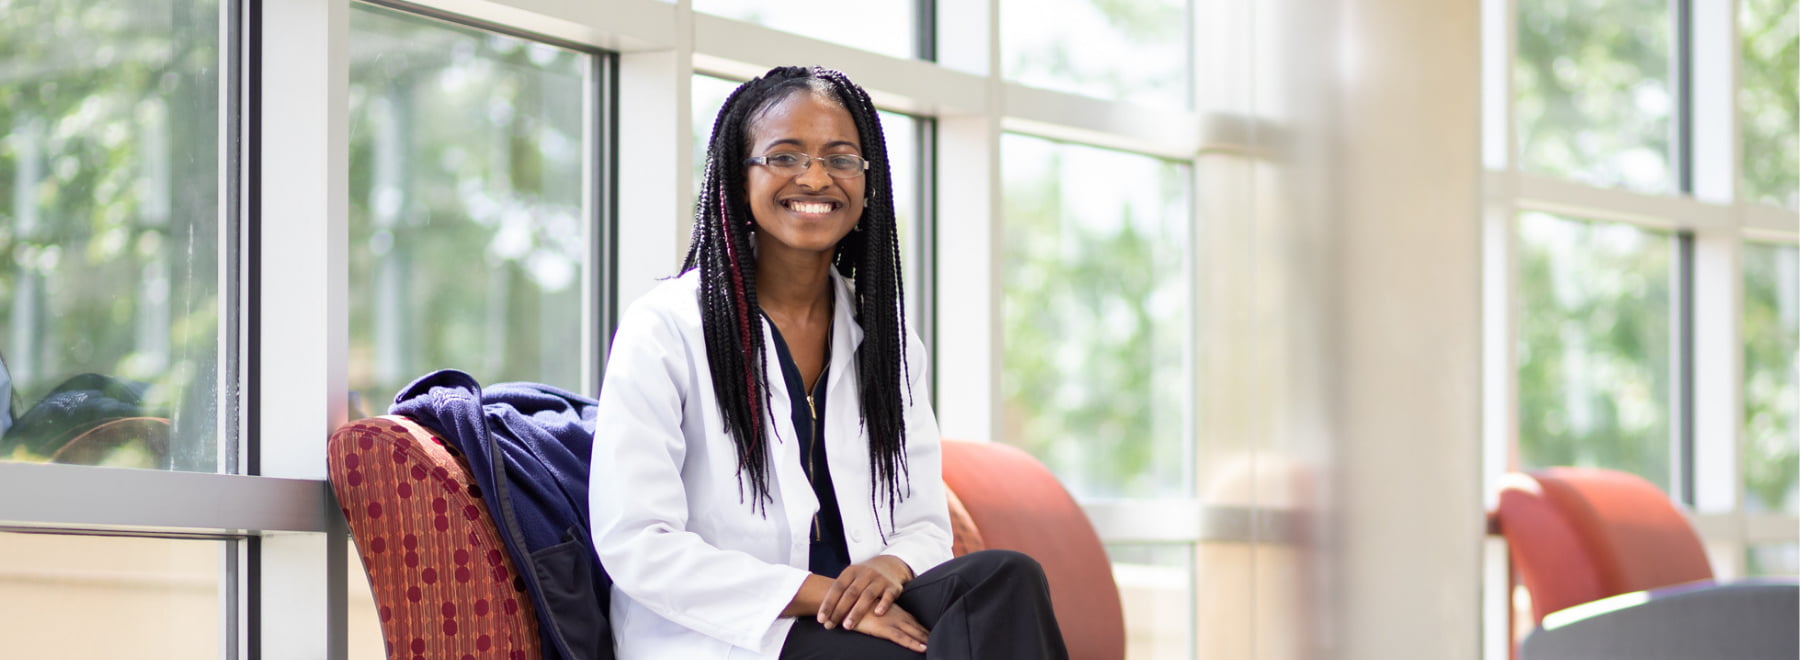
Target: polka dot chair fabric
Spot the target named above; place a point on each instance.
(443, 583)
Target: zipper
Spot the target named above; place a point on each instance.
(811, 466)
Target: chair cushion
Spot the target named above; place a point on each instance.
(443, 583)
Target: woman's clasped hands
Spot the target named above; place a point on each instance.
(862, 599)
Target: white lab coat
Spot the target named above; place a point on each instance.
(697, 573)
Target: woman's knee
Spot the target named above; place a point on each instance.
(1011, 563)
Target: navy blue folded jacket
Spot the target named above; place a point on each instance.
(529, 446)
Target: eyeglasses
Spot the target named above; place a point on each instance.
(790, 163)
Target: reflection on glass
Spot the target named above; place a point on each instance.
(109, 234)
(1156, 588)
(1594, 100)
(1131, 50)
(902, 133)
(1095, 379)
(1770, 30)
(1594, 346)
(888, 27)
(106, 597)
(1773, 559)
(1771, 377)
(468, 239)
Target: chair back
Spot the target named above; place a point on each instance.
(1018, 505)
(444, 584)
(1582, 534)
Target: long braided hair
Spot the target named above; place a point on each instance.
(731, 319)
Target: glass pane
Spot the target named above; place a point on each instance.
(1156, 588)
(1775, 559)
(1771, 377)
(361, 615)
(1122, 50)
(1770, 30)
(889, 27)
(468, 238)
(109, 234)
(1594, 100)
(1594, 346)
(902, 133)
(1095, 379)
(146, 598)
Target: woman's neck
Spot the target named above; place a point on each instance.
(794, 286)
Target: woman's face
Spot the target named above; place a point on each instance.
(810, 211)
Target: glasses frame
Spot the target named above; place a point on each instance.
(806, 163)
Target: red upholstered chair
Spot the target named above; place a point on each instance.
(443, 583)
(1014, 503)
(1582, 534)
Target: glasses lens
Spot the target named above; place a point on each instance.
(844, 165)
(787, 161)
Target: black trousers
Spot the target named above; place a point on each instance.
(988, 605)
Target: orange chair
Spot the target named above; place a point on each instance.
(444, 586)
(1616, 571)
(1582, 534)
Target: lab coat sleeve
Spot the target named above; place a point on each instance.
(921, 524)
(640, 507)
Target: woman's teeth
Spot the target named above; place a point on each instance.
(810, 207)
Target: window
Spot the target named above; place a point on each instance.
(1134, 51)
(469, 236)
(154, 598)
(1156, 589)
(889, 27)
(1771, 101)
(1641, 202)
(1772, 378)
(1096, 376)
(1594, 99)
(1594, 346)
(113, 236)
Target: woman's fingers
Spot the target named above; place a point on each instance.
(839, 600)
(896, 626)
(887, 598)
(871, 596)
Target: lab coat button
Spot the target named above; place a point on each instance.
(856, 535)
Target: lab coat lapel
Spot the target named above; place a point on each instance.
(793, 494)
(846, 441)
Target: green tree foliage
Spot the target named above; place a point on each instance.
(109, 215)
(1594, 99)
(467, 235)
(1772, 377)
(1129, 50)
(1770, 30)
(1095, 317)
(1594, 376)
(1594, 105)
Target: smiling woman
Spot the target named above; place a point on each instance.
(801, 515)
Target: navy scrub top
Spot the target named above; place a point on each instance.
(830, 554)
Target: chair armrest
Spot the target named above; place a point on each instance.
(1749, 619)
